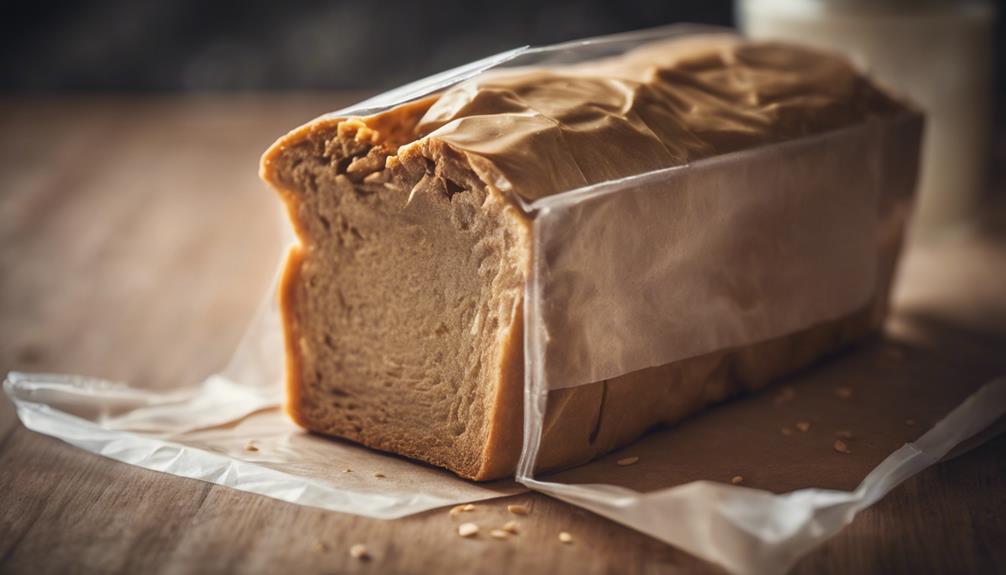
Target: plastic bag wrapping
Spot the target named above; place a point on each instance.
(591, 316)
(603, 303)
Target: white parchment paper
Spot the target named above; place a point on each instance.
(229, 430)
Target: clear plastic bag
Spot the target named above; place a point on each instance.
(705, 218)
(833, 208)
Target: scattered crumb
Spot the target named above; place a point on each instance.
(841, 447)
(803, 426)
(347, 470)
(320, 547)
(379, 475)
(843, 392)
(786, 395)
(468, 529)
(359, 551)
(510, 527)
(565, 537)
(518, 509)
(910, 422)
(844, 434)
(250, 446)
(461, 509)
(627, 461)
(786, 431)
(499, 534)
(737, 479)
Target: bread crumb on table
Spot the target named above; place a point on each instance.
(565, 537)
(379, 475)
(250, 446)
(518, 509)
(461, 509)
(737, 479)
(627, 461)
(468, 529)
(803, 426)
(320, 547)
(786, 431)
(359, 551)
(499, 534)
(510, 527)
(841, 447)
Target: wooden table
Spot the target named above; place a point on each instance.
(135, 239)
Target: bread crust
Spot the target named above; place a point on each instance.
(286, 294)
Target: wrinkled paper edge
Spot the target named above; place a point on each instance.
(177, 459)
(751, 531)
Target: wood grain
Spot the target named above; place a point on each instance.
(135, 239)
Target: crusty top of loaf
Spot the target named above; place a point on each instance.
(535, 132)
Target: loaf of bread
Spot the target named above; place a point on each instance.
(403, 300)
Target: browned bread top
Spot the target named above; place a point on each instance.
(534, 132)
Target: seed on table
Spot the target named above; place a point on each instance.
(517, 509)
(468, 529)
(359, 551)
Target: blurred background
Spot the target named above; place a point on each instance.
(313, 45)
(126, 45)
(946, 56)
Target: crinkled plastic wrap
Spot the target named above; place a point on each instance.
(627, 275)
(771, 241)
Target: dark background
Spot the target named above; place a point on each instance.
(190, 44)
(123, 45)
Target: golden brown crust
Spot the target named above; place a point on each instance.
(287, 294)
(506, 423)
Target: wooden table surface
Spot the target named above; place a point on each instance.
(135, 239)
